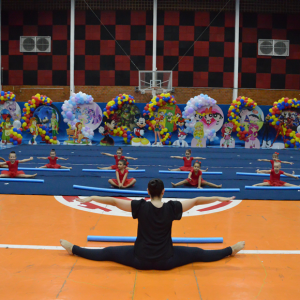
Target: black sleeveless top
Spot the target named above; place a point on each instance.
(154, 240)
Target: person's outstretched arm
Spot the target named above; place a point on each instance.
(2, 163)
(198, 157)
(188, 204)
(263, 171)
(128, 157)
(61, 158)
(287, 162)
(291, 175)
(26, 160)
(121, 204)
(204, 170)
(42, 157)
(263, 160)
(179, 157)
(107, 154)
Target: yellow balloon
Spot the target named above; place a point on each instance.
(47, 138)
(51, 141)
(24, 124)
(19, 136)
(292, 141)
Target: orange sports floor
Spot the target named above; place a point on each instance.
(53, 274)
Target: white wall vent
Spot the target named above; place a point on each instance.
(273, 47)
(35, 44)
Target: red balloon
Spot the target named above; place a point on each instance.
(15, 138)
(298, 135)
(19, 140)
(124, 135)
(55, 138)
(11, 135)
(21, 129)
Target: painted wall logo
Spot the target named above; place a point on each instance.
(98, 208)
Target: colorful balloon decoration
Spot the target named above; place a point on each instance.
(233, 115)
(189, 113)
(28, 111)
(69, 108)
(152, 107)
(7, 96)
(110, 111)
(292, 138)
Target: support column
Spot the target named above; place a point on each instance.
(72, 48)
(154, 44)
(0, 48)
(236, 50)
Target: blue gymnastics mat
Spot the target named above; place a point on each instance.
(152, 159)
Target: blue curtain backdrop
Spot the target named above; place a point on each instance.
(149, 134)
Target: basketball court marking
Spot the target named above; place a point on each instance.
(37, 247)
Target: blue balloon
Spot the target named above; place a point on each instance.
(15, 129)
(2, 93)
(15, 142)
(11, 140)
(277, 123)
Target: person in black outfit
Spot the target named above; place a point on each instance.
(153, 248)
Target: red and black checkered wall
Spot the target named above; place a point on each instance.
(99, 60)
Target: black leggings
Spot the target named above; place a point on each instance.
(125, 255)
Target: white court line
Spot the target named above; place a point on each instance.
(36, 247)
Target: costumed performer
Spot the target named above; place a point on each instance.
(266, 131)
(153, 248)
(187, 161)
(118, 157)
(275, 158)
(52, 161)
(275, 173)
(33, 130)
(195, 178)
(121, 173)
(13, 167)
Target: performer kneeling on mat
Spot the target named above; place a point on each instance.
(153, 249)
(52, 161)
(275, 173)
(195, 178)
(13, 167)
(121, 173)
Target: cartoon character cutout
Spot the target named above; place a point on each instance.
(252, 140)
(6, 126)
(110, 125)
(180, 124)
(54, 124)
(181, 140)
(33, 128)
(139, 131)
(227, 141)
(199, 140)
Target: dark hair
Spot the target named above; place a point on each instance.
(120, 149)
(123, 161)
(197, 162)
(155, 187)
(52, 150)
(12, 152)
(189, 150)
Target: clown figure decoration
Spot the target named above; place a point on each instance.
(227, 141)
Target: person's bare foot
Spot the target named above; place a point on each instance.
(32, 176)
(237, 247)
(136, 168)
(70, 168)
(67, 245)
(173, 184)
(219, 186)
(99, 168)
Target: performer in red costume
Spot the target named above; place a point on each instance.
(275, 158)
(275, 176)
(52, 161)
(118, 157)
(195, 178)
(121, 173)
(187, 161)
(13, 167)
